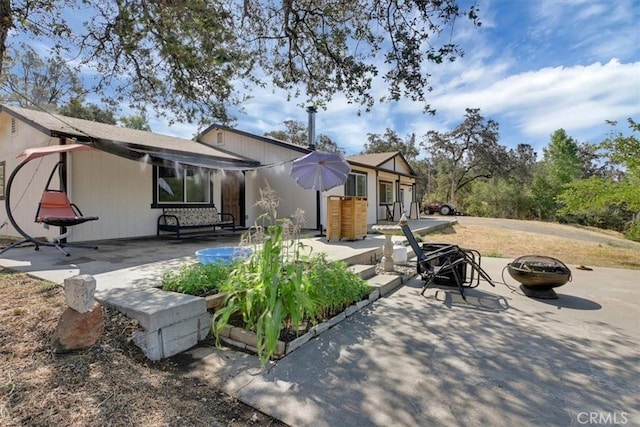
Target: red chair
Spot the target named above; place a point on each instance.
(56, 209)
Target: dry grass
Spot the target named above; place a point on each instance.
(505, 243)
(112, 384)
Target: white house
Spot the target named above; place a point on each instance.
(385, 179)
(130, 176)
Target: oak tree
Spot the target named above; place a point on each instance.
(390, 141)
(192, 60)
(467, 153)
(31, 81)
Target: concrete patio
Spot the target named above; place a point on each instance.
(500, 359)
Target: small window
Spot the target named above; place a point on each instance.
(356, 185)
(183, 185)
(220, 138)
(386, 193)
(2, 180)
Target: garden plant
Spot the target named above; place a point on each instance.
(282, 284)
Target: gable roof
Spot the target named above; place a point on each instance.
(372, 161)
(131, 143)
(268, 140)
(376, 160)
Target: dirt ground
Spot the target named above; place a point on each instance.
(113, 384)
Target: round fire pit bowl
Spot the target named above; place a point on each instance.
(539, 274)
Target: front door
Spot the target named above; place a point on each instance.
(232, 196)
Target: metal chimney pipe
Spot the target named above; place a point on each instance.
(311, 110)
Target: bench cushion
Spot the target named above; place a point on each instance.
(190, 217)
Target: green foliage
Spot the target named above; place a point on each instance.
(297, 133)
(139, 122)
(197, 279)
(632, 230)
(499, 198)
(77, 108)
(468, 153)
(564, 162)
(561, 159)
(333, 287)
(192, 60)
(279, 286)
(608, 201)
(324, 143)
(269, 291)
(33, 81)
(391, 142)
(624, 150)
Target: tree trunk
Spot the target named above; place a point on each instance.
(5, 24)
(452, 191)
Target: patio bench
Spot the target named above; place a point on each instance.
(175, 220)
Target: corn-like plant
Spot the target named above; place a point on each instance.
(281, 285)
(270, 290)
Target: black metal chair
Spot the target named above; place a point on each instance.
(446, 264)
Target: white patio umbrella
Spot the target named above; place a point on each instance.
(320, 171)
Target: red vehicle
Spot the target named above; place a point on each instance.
(441, 208)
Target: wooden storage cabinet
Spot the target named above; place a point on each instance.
(334, 217)
(346, 217)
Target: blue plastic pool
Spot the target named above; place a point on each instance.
(223, 254)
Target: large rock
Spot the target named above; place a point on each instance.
(78, 331)
(79, 292)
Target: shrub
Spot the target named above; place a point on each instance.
(333, 287)
(196, 279)
(632, 230)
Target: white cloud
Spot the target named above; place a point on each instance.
(539, 102)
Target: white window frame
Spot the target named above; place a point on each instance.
(388, 193)
(360, 184)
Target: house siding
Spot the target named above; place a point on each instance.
(117, 190)
(278, 162)
(30, 181)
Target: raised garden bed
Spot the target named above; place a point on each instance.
(240, 338)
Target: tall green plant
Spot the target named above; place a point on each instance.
(332, 286)
(269, 291)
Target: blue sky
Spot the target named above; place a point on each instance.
(534, 66)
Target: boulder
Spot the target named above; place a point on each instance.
(78, 331)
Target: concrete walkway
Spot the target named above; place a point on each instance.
(502, 359)
(499, 359)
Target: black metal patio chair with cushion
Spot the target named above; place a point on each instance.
(446, 264)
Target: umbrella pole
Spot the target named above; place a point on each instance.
(319, 213)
